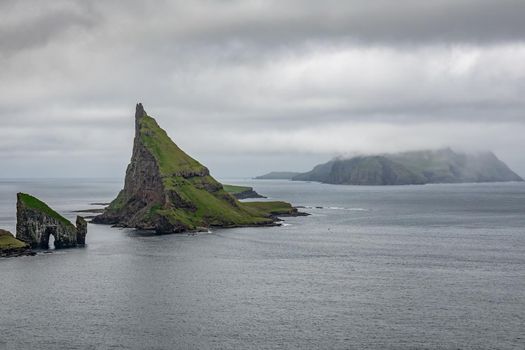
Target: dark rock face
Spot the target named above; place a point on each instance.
(420, 167)
(142, 186)
(36, 223)
(81, 231)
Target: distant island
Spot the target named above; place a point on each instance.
(278, 175)
(412, 168)
(168, 191)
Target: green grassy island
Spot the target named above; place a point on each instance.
(169, 191)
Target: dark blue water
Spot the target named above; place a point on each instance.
(409, 267)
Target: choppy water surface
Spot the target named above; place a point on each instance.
(409, 267)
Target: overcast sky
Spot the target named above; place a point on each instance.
(252, 86)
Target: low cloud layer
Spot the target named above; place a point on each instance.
(252, 86)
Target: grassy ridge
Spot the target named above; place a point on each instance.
(269, 208)
(235, 189)
(36, 204)
(7, 241)
(171, 159)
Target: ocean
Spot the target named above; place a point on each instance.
(396, 267)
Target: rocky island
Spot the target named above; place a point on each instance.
(36, 222)
(168, 191)
(417, 167)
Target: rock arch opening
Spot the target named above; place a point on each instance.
(49, 238)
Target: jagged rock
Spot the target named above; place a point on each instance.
(168, 191)
(36, 222)
(81, 230)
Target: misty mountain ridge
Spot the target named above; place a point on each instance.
(412, 168)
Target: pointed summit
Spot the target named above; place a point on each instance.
(168, 191)
(139, 113)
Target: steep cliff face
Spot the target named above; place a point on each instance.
(143, 187)
(81, 231)
(36, 222)
(418, 167)
(168, 191)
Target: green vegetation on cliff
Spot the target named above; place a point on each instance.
(169, 191)
(234, 189)
(204, 200)
(36, 204)
(171, 159)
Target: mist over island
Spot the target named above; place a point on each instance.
(408, 168)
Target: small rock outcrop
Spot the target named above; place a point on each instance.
(36, 222)
(10, 246)
(242, 192)
(168, 191)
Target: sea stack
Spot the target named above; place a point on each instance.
(36, 222)
(168, 191)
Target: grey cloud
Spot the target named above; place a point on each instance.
(238, 81)
(44, 24)
(406, 21)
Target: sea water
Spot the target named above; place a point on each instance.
(403, 267)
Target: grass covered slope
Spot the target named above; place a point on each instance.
(270, 208)
(242, 192)
(169, 191)
(204, 200)
(171, 160)
(8, 241)
(36, 204)
(235, 189)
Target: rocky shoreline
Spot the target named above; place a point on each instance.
(13, 253)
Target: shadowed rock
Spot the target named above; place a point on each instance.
(81, 230)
